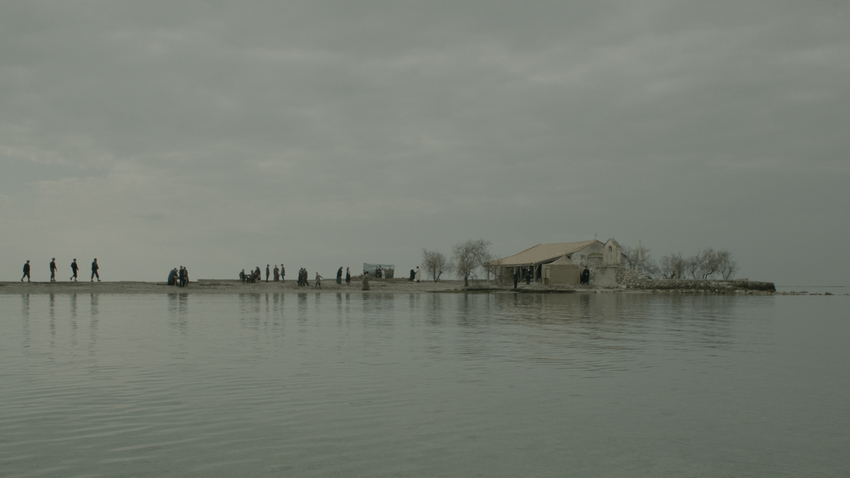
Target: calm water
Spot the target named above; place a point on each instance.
(332, 384)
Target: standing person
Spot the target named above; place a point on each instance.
(339, 276)
(318, 281)
(276, 273)
(282, 273)
(418, 274)
(268, 272)
(74, 269)
(347, 276)
(53, 270)
(26, 272)
(94, 268)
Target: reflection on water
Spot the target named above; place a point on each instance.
(373, 384)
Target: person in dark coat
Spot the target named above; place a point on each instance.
(268, 272)
(26, 272)
(74, 269)
(172, 277)
(94, 268)
(347, 276)
(339, 276)
(585, 276)
(53, 270)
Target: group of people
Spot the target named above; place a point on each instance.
(279, 274)
(74, 270)
(253, 276)
(415, 274)
(339, 276)
(179, 278)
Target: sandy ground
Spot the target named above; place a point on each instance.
(236, 287)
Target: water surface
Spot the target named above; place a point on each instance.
(353, 384)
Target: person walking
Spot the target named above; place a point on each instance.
(26, 272)
(94, 268)
(318, 281)
(53, 270)
(74, 269)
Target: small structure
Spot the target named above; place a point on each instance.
(379, 271)
(592, 253)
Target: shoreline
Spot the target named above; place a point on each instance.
(224, 286)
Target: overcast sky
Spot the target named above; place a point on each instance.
(320, 134)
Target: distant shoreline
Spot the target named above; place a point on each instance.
(223, 286)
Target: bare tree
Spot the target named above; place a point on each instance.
(678, 264)
(728, 266)
(692, 265)
(435, 264)
(469, 256)
(639, 259)
(630, 257)
(706, 264)
(709, 262)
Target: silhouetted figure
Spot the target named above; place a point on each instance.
(516, 278)
(276, 273)
(242, 276)
(94, 269)
(26, 272)
(53, 270)
(268, 272)
(585, 276)
(172, 277)
(347, 276)
(318, 281)
(282, 273)
(339, 276)
(74, 269)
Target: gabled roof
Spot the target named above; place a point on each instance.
(543, 253)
